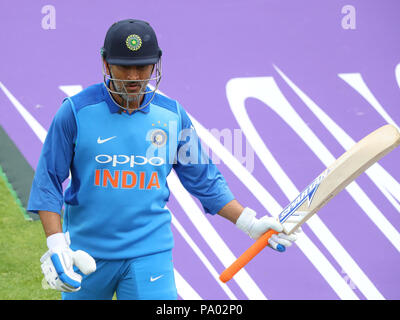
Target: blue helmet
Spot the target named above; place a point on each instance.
(132, 43)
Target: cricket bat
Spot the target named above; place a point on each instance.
(327, 185)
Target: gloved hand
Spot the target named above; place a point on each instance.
(254, 227)
(57, 264)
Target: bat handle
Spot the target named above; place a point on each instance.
(246, 256)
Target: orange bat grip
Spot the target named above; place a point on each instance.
(246, 256)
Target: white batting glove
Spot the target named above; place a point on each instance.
(254, 227)
(57, 264)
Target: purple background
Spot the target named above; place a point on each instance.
(205, 44)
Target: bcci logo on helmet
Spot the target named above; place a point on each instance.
(133, 42)
(158, 138)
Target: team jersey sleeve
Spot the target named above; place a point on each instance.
(196, 172)
(54, 162)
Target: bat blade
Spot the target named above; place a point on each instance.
(328, 184)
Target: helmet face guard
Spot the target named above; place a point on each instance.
(119, 87)
(131, 43)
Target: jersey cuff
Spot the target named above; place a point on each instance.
(214, 205)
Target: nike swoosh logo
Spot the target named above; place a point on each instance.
(100, 141)
(156, 278)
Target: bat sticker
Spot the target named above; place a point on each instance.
(308, 193)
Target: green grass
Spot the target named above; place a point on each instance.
(22, 243)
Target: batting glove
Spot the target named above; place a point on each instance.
(254, 227)
(57, 264)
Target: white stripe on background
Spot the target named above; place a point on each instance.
(30, 120)
(201, 256)
(383, 180)
(71, 89)
(397, 74)
(266, 90)
(185, 290)
(378, 175)
(356, 81)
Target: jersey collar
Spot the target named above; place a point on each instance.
(114, 106)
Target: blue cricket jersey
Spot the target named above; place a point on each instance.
(119, 163)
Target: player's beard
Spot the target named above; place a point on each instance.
(130, 100)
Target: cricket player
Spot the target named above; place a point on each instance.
(118, 140)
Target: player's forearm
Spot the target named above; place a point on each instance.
(231, 211)
(51, 222)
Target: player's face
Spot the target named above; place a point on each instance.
(129, 83)
(135, 77)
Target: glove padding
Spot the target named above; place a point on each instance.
(255, 228)
(57, 264)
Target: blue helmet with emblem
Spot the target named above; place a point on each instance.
(131, 42)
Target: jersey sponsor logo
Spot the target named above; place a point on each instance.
(131, 160)
(125, 179)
